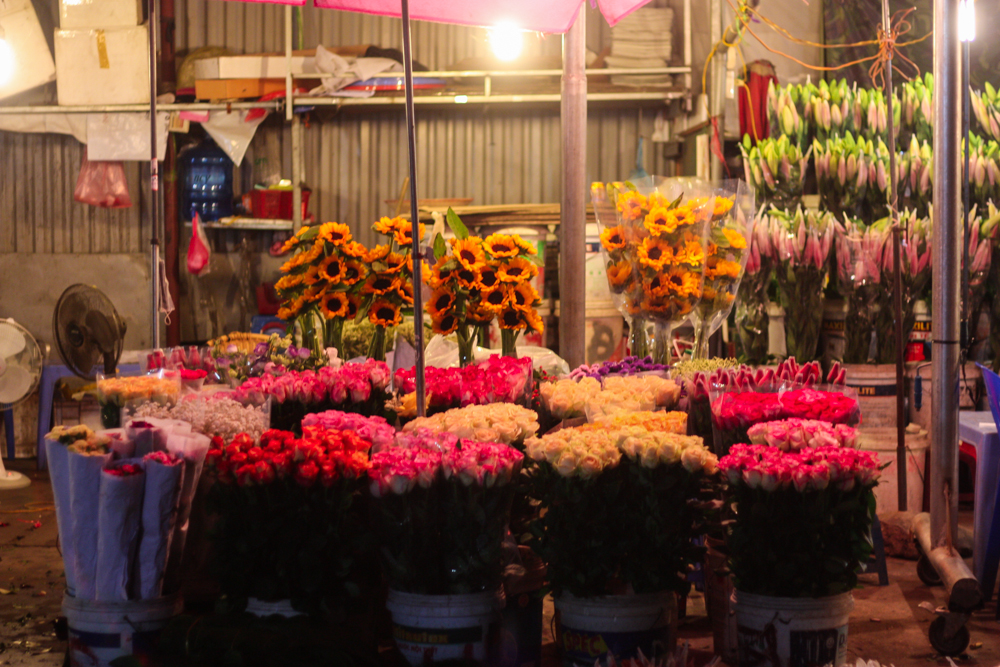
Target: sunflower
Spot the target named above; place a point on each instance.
(468, 278)
(656, 304)
(496, 298)
(354, 272)
(311, 276)
(446, 324)
(722, 206)
(612, 238)
(660, 220)
(288, 282)
(630, 205)
(333, 304)
(659, 286)
(655, 253)
(355, 250)
(335, 233)
(709, 293)
(395, 262)
(353, 305)
(405, 292)
(500, 246)
(469, 253)
(332, 269)
(517, 270)
(535, 321)
(683, 283)
(479, 313)
(404, 233)
(683, 306)
(314, 293)
(441, 301)
(488, 278)
(377, 254)
(440, 273)
(512, 319)
(312, 254)
(523, 296)
(736, 240)
(524, 246)
(377, 283)
(691, 253)
(684, 216)
(384, 313)
(619, 276)
(722, 268)
(286, 313)
(386, 225)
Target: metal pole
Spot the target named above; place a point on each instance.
(154, 186)
(897, 272)
(717, 95)
(967, 326)
(573, 211)
(411, 133)
(946, 281)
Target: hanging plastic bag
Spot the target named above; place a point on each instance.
(102, 184)
(198, 252)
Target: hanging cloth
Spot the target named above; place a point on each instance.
(753, 103)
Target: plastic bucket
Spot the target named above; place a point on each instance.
(433, 628)
(876, 387)
(776, 330)
(718, 594)
(99, 632)
(266, 609)
(592, 628)
(831, 333)
(883, 442)
(920, 382)
(792, 631)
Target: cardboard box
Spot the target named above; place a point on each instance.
(83, 14)
(102, 66)
(234, 89)
(25, 60)
(266, 65)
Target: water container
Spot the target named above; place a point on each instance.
(206, 182)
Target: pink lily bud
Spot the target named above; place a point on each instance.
(992, 172)
(925, 108)
(980, 172)
(768, 178)
(862, 175)
(925, 182)
(842, 172)
(880, 175)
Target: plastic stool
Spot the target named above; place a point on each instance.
(989, 474)
(8, 429)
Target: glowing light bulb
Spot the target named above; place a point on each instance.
(7, 60)
(966, 21)
(506, 40)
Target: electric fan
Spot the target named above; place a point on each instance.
(20, 370)
(88, 331)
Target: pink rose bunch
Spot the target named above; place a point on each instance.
(124, 469)
(496, 422)
(795, 434)
(732, 409)
(497, 380)
(487, 464)
(164, 458)
(810, 469)
(830, 406)
(375, 430)
(348, 383)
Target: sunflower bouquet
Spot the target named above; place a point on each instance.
(475, 280)
(321, 282)
(388, 289)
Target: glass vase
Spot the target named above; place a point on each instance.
(466, 346)
(508, 342)
(376, 348)
(702, 334)
(662, 342)
(638, 341)
(333, 335)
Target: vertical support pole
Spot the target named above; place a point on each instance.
(687, 52)
(416, 253)
(154, 186)
(288, 62)
(296, 172)
(967, 326)
(717, 94)
(946, 260)
(573, 210)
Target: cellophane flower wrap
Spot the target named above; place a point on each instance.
(114, 393)
(499, 379)
(859, 255)
(776, 169)
(800, 245)
(291, 521)
(915, 274)
(441, 511)
(694, 377)
(622, 505)
(803, 518)
(752, 320)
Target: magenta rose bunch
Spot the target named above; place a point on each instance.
(804, 518)
(442, 506)
(497, 380)
(836, 407)
(795, 434)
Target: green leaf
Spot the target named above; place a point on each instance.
(440, 249)
(456, 225)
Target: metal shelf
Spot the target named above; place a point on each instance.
(248, 224)
(131, 108)
(452, 99)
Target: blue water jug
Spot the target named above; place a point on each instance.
(206, 182)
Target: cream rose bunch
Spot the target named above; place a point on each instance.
(507, 423)
(567, 398)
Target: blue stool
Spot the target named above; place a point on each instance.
(8, 429)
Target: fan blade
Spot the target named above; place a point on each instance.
(11, 341)
(14, 384)
(102, 331)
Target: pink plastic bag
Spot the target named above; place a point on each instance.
(198, 252)
(102, 184)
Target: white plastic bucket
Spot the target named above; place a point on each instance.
(970, 384)
(620, 625)
(432, 628)
(831, 333)
(883, 442)
(780, 632)
(99, 632)
(876, 387)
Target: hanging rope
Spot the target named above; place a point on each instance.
(887, 48)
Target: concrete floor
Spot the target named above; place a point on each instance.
(888, 624)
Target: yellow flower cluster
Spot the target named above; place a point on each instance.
(121, 390)
(389, 286)
(568, 398)
(664, 422)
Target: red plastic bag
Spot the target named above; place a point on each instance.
(198, 252)
(102, 184)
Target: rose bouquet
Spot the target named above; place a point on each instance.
(632, 393)
(803, 518)
(115, 393)
(800, 244)
(776, 169)
(751, 307)
(441, 511)
(496, 380)
(635, 488)
(663, 422)
(496, 422)
(567, 398)
(375, 430)
(291, 523)
(795, 434)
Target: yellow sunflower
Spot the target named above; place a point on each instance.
(404, 233)
(690, 253)
(709, 293)
(333, 304)
(736, 240)
(613, 238)
(683, 283)
(335, 233)
(658, 286)
(524, 246)
(660, 220)
(488, 278)
(355, 250)
(468, 278)
(354, 272)
(496, 298)
(722, 206)
(722, 268)
(332, 269)
(510, 318)
(289, 281)
(380, 284)
(394, 262)
(684, 216)
(517, 270)
(311, 276)
(619, 276)
(655, 253)
(384, 313)
(405, 292)
(353, 305)
(630, 205)
(439, 274)
(469, 253)
(376, 254)
(479, 314)
(312, 254)
(535, 321)
(523, 296)
(445, 325)
(656, 304)
(441, 301)
(286, 313)
(500, 246)
(386, 225)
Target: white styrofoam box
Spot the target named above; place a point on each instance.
(25, 59)
(251, 67)
(81, 14)
(80, 78)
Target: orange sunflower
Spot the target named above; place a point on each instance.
(660, 220)
(496, 298)
(405, 292)
(722, 268)
(380, 284)
(684, 216)
(313, 294)
(332, 269)
(517, 270)
(535, 321)
(488, 278)
(384, 313)
(523, 296)
(657, 287)
(286, 313)
(655, 253)
(446, 324)
(377, 254)
(613, 238)
(468, 278)
(353, 306)
(439, 273)
(691, 253)
(500, 246)
(440, 302)
(394, 262)
(736, 240)
(630, 205)
(510, 318)
(386, 225)
(311, 276)
(355, 250)
(469, 253)
(619, 276)
(333, 304)
(479, 314)
(354, 272)
(288, 282)
(404, 233)
(683, 283)
(335, 233)
(525, 247)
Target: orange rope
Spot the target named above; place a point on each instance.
(887, 48)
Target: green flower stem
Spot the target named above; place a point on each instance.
(466, 345)
(376, 350)
(508, 342)
(801, 293)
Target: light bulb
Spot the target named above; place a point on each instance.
(506, 40)
(7, 60)
(966, 20)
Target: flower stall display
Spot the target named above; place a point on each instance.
(212, 414)
(776, 169)
(694, 377)
(567, 398)
(388, 289)
(198, 362)
(630, 365)
(916, 177)
(375, 430)
(273, 353)
(794, 434)
(752, 320)
(478, 280)
(115, 393)
(801, 531)
(353, 387)
(790, 113)
(499, 379)
(495, 422)
(800, 244)
(918, 109)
